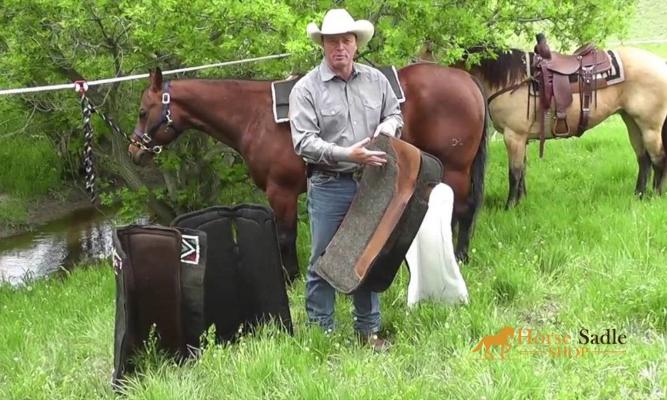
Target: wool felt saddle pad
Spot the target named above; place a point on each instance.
(384, 217)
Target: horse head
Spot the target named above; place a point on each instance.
(159, 120)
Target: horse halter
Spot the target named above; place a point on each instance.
(143, 139)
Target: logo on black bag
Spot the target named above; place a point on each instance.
(190, 249)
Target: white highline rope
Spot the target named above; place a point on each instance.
(131, 77)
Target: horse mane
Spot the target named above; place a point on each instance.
(502, 68)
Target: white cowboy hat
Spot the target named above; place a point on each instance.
(339, 21)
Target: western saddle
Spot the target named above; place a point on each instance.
(558, 76)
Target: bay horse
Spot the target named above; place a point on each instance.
(444, 114)
(640, 100)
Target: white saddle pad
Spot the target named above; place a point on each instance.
(434, 272)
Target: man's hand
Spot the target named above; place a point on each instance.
(359, 154)
(387, 127)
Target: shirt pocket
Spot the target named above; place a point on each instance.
(334, 119)
(372, 109)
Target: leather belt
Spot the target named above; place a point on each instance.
(312, 169)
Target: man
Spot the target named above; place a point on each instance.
(334, 111)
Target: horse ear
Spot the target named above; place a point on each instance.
(156, 79)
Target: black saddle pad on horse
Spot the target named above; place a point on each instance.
(159, 286)
(280, 91)
(244, 282)
(383, 219)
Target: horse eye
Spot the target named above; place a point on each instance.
(142, 113)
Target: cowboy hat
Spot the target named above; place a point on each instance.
(338, 21)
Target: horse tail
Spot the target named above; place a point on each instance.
(479, 163)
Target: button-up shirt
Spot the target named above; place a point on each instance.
(328, 113)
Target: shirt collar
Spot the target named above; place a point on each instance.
(326, 74)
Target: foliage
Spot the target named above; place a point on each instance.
(30, 167)
(13, 211)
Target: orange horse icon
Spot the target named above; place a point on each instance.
(499, 339)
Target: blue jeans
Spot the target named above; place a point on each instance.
(329, 198)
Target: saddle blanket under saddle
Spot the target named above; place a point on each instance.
(280, 91)
(382, 220)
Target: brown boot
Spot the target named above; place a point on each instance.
(374, 341)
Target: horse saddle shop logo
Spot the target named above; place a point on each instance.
(533, 341)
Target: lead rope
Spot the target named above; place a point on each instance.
(88, 159)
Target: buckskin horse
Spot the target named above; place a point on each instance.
(640, 99)
(444, 114)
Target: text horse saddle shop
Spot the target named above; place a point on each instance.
(220, 266)
(383, 219)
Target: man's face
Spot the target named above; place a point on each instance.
(339, 50)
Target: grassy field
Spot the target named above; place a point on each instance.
(30, 168)
(580, 252)
(650, 21)
(648, 24)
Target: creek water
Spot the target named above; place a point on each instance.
(82, 236)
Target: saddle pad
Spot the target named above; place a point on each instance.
(280, 91)
(384, 217)
(434, 271)
(146, 262)
(244, 283)
(617, 73)
(193, 269)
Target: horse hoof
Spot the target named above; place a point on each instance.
(462, 258)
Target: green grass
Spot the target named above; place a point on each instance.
(658, 49)
(649, 21)
(30, 166)
(580, 251)
(648, 24)
(13, 211)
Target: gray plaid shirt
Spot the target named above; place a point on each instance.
(327, 113)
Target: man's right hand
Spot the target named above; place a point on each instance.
(360, 154)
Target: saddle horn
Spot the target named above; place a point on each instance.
(542, 48)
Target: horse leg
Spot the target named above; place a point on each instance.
(643, 159)
(284, 204)
(463, 212)
(522, 182)
(651, 132)
(516, 154)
